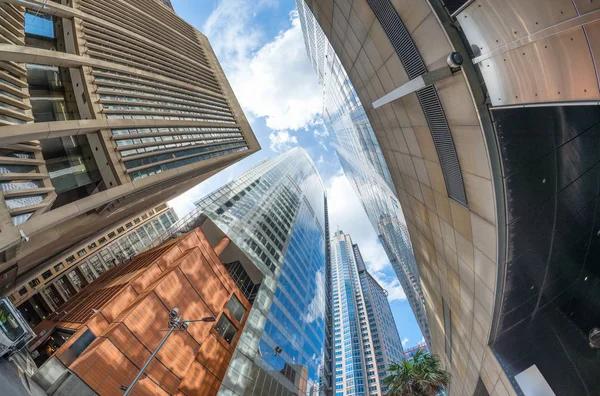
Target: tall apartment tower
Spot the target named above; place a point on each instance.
(362, 160)
(106, 109)
(365, 336)
(275, 213)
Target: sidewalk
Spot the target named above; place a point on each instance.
(15, 376)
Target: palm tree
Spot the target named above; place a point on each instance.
(420, 376)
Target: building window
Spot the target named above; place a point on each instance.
(226, 329)
(47, 274)
(120, 230)
(136, 220)
(111, 235)
(236, 308)
(58, 267)
(34, 283)
(129, 225)
(81, 253)
(102, 241)
(144, 216)
(70, 259)
(92, 246)
(22, 291)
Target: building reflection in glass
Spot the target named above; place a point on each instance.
(275, 213)
(362, 161)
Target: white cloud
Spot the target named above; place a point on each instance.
(316, 308)
(282, 141)
(391, 284)
(275, 81)
(321, 138)
(404, 342)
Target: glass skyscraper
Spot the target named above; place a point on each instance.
(275, 213)
(365, 336)
(362, 160)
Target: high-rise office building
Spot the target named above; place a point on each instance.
(275, 212)
(362, 160)
(106, 109)
(496, 167)
(365, 335)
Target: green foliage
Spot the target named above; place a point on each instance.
(420, 376)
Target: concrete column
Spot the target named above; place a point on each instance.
(223, 243)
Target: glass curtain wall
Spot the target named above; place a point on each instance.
(275, 213)
(362, 161)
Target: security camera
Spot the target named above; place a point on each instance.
(24, 237)
(455, 60)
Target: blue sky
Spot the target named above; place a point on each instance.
(260, 46)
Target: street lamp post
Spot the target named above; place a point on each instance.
(176, 322)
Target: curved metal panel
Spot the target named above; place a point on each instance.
(585, 6)
(489, 24)
(551, 159)
(556, 69)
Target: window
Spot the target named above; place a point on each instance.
(226, 329)
(34, 283)
(111, 235)
(58, 267)
(47, 274)
(236, 308)
(22, 291)
(102, 241)
(129, 225)
(136, 220)
(92, 246)
(120, 230)
(81, 253)
(144, 216)
(70, 259)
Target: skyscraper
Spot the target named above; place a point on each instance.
(275, 213)
(366, 339)
(106, 109)
(362, 160)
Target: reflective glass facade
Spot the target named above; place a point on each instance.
(363, 162)
(365, 336)
(275, 213)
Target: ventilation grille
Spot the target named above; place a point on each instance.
(444, 145)
(399, 36)
(430, 102)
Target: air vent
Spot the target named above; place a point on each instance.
(444, 145)
(399, 36)
(430, 102)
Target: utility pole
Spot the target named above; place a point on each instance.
(176, 322)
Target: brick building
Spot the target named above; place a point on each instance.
(101, 338)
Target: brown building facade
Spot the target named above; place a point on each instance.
(39, 293)
(106, 110)
(111, 328)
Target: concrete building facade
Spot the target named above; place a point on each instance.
(365, 335)
(41, 293)
(108, 108)
(275, 213)
(109, 330)
(495, 168)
